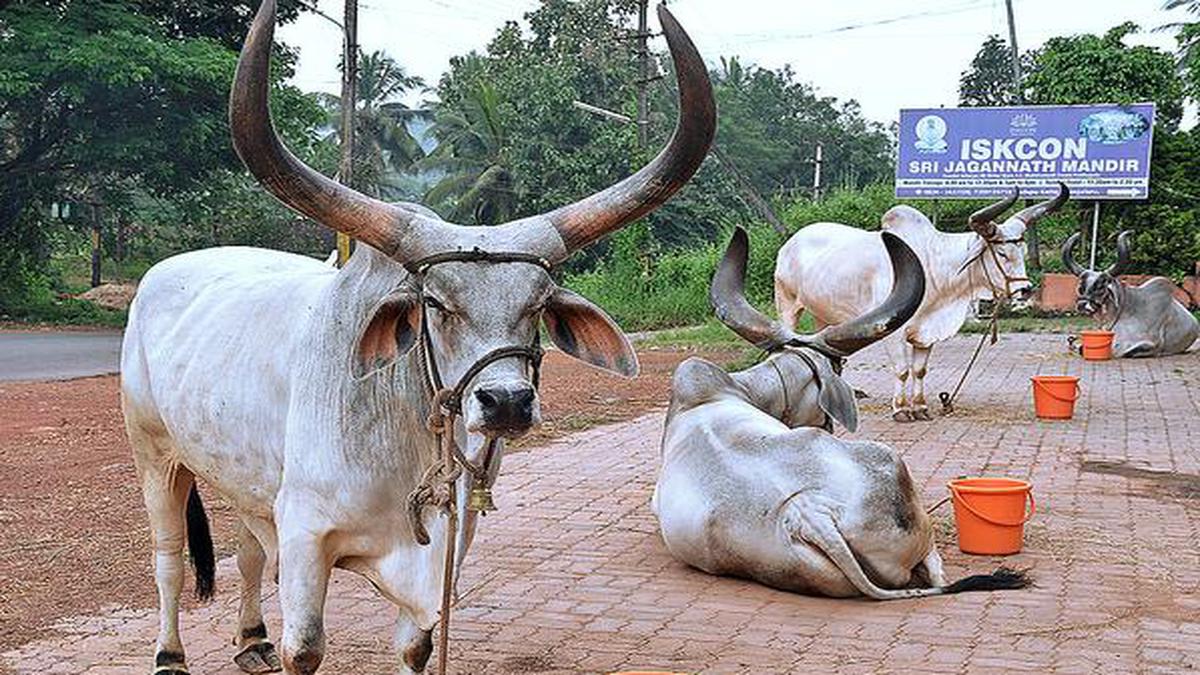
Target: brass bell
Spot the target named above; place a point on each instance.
(480, 499)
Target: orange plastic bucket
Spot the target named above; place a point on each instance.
(1054, 396)
(990, 514)
(1097, 344)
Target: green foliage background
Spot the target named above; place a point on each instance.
(122, 102)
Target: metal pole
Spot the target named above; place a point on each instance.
(1095, 233)
(349, 91)
(643, 107)
(1014, 55)
(817, 173)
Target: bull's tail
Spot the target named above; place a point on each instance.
(823, 532)
(1003, 579)
(200, 546)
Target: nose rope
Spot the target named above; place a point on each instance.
(437, 485)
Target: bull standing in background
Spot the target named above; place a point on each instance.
(747, 488)
(1146, 320)
(303, 394)
(838, 272)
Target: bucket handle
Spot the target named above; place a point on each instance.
(1028, 493)
(1054, 396)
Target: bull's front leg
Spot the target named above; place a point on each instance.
(413, 642)
(899, 356)
(920, 366)
(303, 581)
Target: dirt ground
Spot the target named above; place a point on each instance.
(73, 532)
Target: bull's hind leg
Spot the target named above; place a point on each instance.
(787, 304)
(255, 654)
(165, 488)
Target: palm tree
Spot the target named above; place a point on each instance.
(383, 147)
(476, 185)
(1189, 31)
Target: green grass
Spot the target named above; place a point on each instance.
(64, 312)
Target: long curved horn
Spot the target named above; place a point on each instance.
(587, 220)
(277, 169)
(1123, 249)
(1068, 255)
(983, 220)
(908, 291)
(727, 293)
(1031, 214)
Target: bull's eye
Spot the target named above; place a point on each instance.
(434, 304)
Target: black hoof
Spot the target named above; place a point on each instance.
(169, 663)
(259, 657)
(902, 416)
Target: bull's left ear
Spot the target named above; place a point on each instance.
(584, 331)
(836, 397)
(390, 332)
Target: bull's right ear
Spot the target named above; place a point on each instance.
(391, 331)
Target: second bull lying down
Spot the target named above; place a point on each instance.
(747, 490)
(1146, 320)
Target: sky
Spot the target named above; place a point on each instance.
(886, 55)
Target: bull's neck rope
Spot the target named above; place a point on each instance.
(438, 483)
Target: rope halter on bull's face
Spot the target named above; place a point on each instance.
(1099, 289)
(824, 351)
(993, 239)
(446, 402)
(418, 239)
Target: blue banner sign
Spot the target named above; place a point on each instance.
(1099, 151)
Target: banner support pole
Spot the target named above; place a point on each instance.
(1095, 233)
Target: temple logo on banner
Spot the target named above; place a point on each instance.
(1100, 151)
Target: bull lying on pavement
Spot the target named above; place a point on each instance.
(836, 272)
(1146, 320)
(313, 399)
(745, 490)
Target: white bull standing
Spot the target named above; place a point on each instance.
(303, 393)
(1146, 320)
(837, 272)
(746, 490)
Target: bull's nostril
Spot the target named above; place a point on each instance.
(523, 398)
(486, 398)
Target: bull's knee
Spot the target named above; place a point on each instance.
(416, 653)
(304, 655)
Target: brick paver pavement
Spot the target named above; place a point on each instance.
(570, 576)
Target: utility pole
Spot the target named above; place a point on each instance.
(643, 54)
(1014, 55)
(348, 104)
(96, 220)
(1018, 98)
(643, 75)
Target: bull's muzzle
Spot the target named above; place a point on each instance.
(503, 409)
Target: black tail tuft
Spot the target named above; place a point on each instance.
(1003, 579)
(200, 546)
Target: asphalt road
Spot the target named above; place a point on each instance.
(58, 355)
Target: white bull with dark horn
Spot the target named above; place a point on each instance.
(836, 272)
(1146, 320)
(747, 488)
(304, 394)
